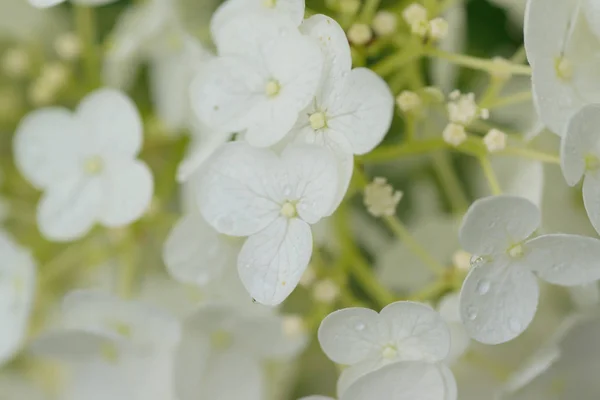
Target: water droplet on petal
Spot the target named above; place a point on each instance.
(360, 326)
(287, 190)
(483, 286)
(476, 260)
(471, 313)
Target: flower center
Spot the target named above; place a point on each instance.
(272, 88)
(93, 165)
(109, 353)
(269, 3)
(318, 120)
(591, 162)
(563, 68)
(390, 351)
(516, 251)
(221, 340)
(121, 328)
(288, 210)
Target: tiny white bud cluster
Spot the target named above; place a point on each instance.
(292, 325)
(15, 62)
(67, 46)
(416, 17)
(495, 140)
(52, 78)
(326, 291)
(380, 198)
(462, 108)
(461, 260)
(408, 101)
(384, 23)
(360, 34)
(454, 134)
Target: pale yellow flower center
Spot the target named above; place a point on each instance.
(93, 165)
(318, 120)
(272, 88)
(288, 210)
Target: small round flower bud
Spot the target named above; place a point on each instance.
(384, 23)
(67, 46)
(326, 291)
(380, 198)
(292, 326)
(360, 34)
(349, 6)
(55, 74)
(438, 28)
(461, 260)
(495, 140)
(462, 109)
(415, 13)
(501, 69)
(15, 62)
(454, 134)
(41, 92)
(308, 277)
(408, 101)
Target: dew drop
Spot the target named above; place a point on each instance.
(476, 260)
(471, 313)
(483, 286)
(514, 325)
(287, 190)
(360, 326)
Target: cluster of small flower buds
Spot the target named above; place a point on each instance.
(380, 198)
(416, 17)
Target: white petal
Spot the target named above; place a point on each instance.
(591, 10)
(354, 372)
(17, 289)
(591, 197)
(127, 189)
(273, 260)
(296, 63)
(581, 139)
(199, 154)
(449, 382)
(494, 223)
(334, 44)
(498, 300)
(45, 3)
(362, 109)
(227, 16)
(235, 193)
(311, 175)
(225, 91)
(195, 253)
(67, 211)
(346, 336)
(400, 381)
(563, 259)
(418, 330)
(585, 295)
(47, 146)
(128, 321)
(75, 345)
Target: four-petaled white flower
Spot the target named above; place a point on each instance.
(580, 158)
(499, 297)
(17, 288)
(266, 73)
(247, 191)
(352, 109)
(86, 164)
(411, 334)
(223, 349)
(563, 52)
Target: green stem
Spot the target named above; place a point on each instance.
(86, 29)
(391, 152)
(452, 186)
(396, 61)
(404, 235)
(477, 63)
(368, 10)
(490, 175)
(510, 100)
(531, 154)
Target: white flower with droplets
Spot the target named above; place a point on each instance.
(222, 345)
(85, 162)
(563, 52)
(353, 108)
(266, 73)
(273, 199)
(580, 158)
(499, 297)
(17, 288)
(380, 198)
(403, 332)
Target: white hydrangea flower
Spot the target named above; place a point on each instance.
(114, 348)
(563, 52)
(197, 254)
(17, 289)
(352, 109)
(399, 381)
(293, 10)
(273, 199)
(223, 349)
(403, 332)
(85, 162)
(266, 73)
(51, 3)
(499, 297)
(580, 158)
